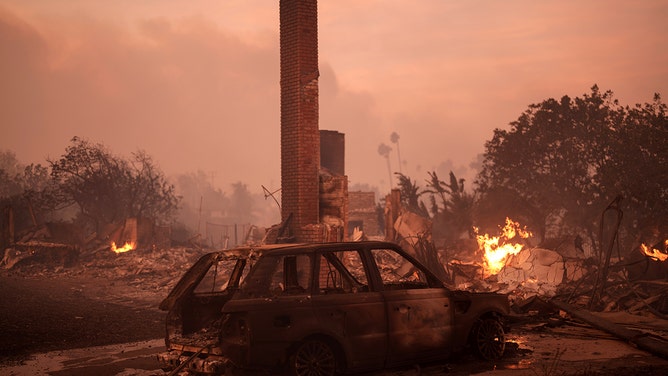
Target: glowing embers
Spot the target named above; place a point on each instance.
(128, 246)
(497, 249)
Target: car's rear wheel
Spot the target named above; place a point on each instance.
(488, 338)
(314, 357)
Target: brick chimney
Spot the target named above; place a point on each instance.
(300, 138)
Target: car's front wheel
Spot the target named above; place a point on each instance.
(488, 338)
(314, 357)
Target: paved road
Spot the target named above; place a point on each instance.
(570, 350)
(136, 358)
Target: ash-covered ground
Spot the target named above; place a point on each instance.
(106, 298)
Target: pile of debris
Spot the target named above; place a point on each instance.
(585, 283)
(143, 259)
(531, 272)
(548, 274)
(636, 283)
(152, 270)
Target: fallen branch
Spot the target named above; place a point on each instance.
(653, 344)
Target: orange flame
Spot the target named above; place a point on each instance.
(497, 249)
(129, 246)
(654, 253)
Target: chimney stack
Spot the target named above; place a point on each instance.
(300, 138)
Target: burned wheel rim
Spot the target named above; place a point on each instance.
(314, 357)
(489, 339)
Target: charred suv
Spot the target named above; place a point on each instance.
(322, 309)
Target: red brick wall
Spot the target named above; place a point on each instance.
(362, 201)
(362, 208)
(300, 139)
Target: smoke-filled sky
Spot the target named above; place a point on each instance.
(195, 84)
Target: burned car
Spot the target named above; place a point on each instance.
(322, 309)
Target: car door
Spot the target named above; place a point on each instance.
(418, 312)
(277, 299)
(348, 310)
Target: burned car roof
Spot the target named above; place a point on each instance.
(194, 274)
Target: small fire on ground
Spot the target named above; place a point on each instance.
(497, 249)
(654, 253)
(128, 246)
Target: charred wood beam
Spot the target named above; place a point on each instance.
(653, 344)
(646, 301)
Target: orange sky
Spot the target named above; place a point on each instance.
(195, 84)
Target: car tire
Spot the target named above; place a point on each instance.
(488, 339)
(314, 357)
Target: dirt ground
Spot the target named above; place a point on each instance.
(47, 311)
(40, 315)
